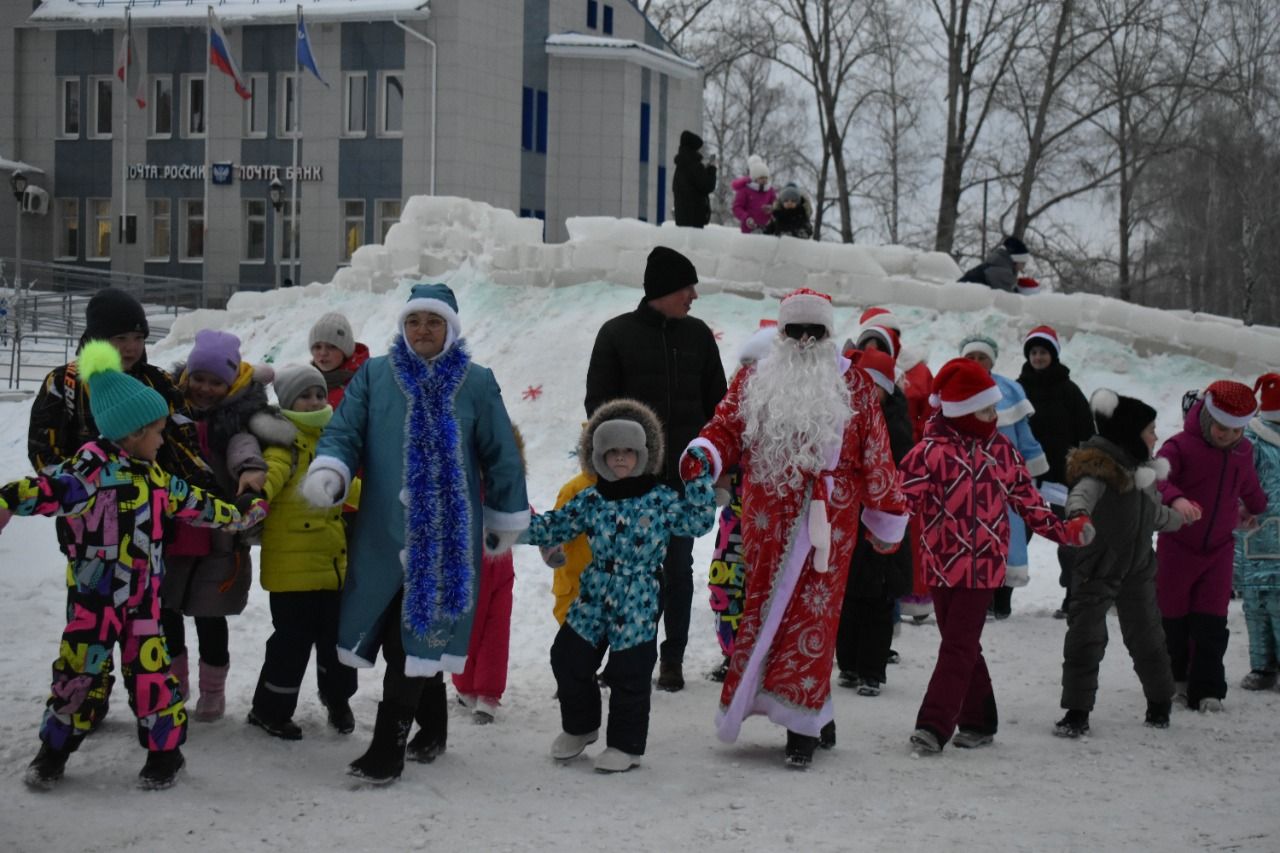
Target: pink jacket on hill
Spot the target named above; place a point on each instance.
(751, 202)
(1218, 480)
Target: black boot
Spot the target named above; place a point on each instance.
(800, 749)
(340, 716)
(161, 770)
(384, 760)
(1075, 724)
(47, 767)
(670, 676)
(432, 715)
(827, 737)
(1158, 714)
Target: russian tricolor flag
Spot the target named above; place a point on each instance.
(220, 56)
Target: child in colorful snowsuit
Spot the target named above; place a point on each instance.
(629, 517)
(119, 505)
(336, 353)
(1013, 414)
(1210, 468)
(208, 573)
(1257, 566)
(961, 480)
(1113, 478)
(304, 563)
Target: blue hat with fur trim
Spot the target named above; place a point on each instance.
(437, 299)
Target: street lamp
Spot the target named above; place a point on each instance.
(276, 192)
(18, 182)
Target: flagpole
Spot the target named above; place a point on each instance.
(124, 127)
(204, 239)
(294, 237)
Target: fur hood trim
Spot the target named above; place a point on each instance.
(1103, 464)
(1266, 431)
(273, 428)
(625, 409)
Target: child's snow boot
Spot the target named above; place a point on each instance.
(925, 742)
(827, 737)
(432, 715)
(161, 770)
(972, 739)
(383, 762)
(800, 749)
(341, 718)
(46, 769)
(1075, 724)
(567, 747)
(283, 729)
(670, 676)
(615, 761)
(718, 674)
(1158, 714)
(869, 687)
(1259, 679)
(212, 703)
(485, 712)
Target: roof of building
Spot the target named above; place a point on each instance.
(580, 46)
(110, 13)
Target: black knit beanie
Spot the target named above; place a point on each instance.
(666, 272)
(1121, 420)
(113, 312)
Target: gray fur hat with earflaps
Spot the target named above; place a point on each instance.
(622, 423)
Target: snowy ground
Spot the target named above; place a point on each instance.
(1206, 783)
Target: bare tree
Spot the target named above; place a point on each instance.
(675, 19)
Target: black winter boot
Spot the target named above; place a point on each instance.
(341, 718)
(827, 737)
(1075, 724)
(161, 770)
(46, 769)
(1158, 714)
(800, 749)
(432, 715)
(384, 761)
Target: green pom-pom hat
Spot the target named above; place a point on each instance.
(120, 404)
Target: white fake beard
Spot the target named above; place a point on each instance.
(794, 408)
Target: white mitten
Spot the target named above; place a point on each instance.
(323, 487)
(1016, 576)
(820, 536)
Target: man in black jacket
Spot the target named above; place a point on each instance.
(692, 182)
(664, 358)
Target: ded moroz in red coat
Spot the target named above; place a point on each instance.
(782, 656)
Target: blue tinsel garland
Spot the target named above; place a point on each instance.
(438, 542)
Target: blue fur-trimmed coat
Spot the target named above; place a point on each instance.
(369, 433)
(1013, 415)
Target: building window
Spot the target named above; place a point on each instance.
(662, 194)
(255, 230)
(540, 144)
(355, 109)
(255, 108)
(391, 103)
(644, 133)
(160, 107)
(99, 248)
(388, 215)
(526, 120)
(290, 230)
(352, 227)
(100, 125)
(288, 98)
(533, 121)
(593, 9)
(608, 20)
(69, 107)
(68, 238)
(194, 106)
(158, 242)
(192, 229)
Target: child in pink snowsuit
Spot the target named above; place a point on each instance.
(1213, 483)
(753, 198)
(481, 684)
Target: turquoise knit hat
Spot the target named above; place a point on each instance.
(120, 404)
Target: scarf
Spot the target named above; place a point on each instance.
(438, 565)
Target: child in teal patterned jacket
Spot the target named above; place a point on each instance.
(1257, 567)
(628, 517)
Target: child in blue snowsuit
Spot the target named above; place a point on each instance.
(1257, 566)
(628, 517)
(1013, 414)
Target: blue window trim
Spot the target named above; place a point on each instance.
(592, 10)
(540, 144)
(644, 133)
(608, 20)
(526, 119)
(662, 194)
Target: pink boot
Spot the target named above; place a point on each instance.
(212, 703)
(178, 669)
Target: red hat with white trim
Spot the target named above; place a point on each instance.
(1044, 336)
(807, 306)
(1268, 385)
(879, 317)
(1231, 404)
(879, 366)
(963, 387)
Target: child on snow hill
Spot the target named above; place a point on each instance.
(1257, 565)
(1213, 484)
(962, 479)
(1113, 481)
(629, 517)
(119, 506)
(753, 198)
(336, 354)
(791, 215)
(208, 573)
(304, 563)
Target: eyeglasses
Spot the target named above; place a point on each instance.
(800, 331)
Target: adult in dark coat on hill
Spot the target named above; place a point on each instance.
(692, 182)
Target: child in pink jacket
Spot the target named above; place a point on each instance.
(753, 198)
(961, 480)
(1213, 484)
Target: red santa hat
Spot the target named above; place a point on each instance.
(963, 387)
(879, 317)
(757, 346)
(1044, 336)
(804, 306)
(880, 324)
(1231, 404)
(1268, 385)
(879, 366)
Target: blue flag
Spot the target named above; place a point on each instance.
(305, 58)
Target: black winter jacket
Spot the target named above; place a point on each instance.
(672, 366)
(1062, 420)
(692, 183)
(873, 575)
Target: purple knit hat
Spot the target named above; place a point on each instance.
(217, 353)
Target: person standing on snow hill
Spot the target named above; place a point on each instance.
(1257, 564)
(753, 198)
(1062, 421)
(669, 361)
(692, 182)
(428, 428)
(1113, 481)
(962, 480)
(120, 505)
(1213, 484)
(808, 433)
(628, 515)
(336, 353)
(1002, 268)
(1013, 416)
(791, 215)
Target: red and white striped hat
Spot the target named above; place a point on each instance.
(879, 366)
(807, 306)
(1231, 404)
(963, 387)
(1268, 385)
(1045, 336)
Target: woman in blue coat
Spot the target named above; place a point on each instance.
(428, 432)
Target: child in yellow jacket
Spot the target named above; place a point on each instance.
(572, 557)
